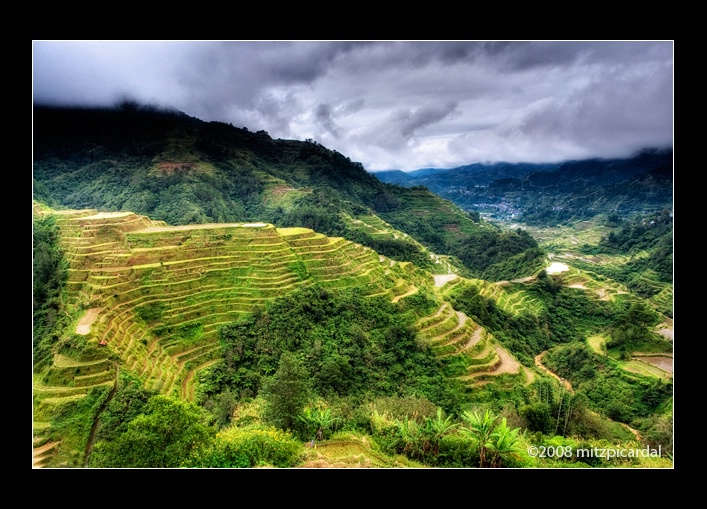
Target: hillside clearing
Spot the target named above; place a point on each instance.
(442, 279)
(84, 325)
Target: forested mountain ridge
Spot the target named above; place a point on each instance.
(468, 176)
(182, 170)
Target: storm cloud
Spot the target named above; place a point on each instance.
(390, 104)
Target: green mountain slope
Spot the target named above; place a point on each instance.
(181, 170)
(203, 313)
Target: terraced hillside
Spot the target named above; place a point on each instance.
(151, 299)
(172, 167)
(156, 295)
(66, 384)
(377, 228)
(468, 351)
(599, 271)
(509, 296)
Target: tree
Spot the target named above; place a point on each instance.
(538, 416)
(49, 273)
(163, 436)
(249, 447)
(221, 405)
(633, 325)
(496, 442)
(286, 392)
(318, 421)
(408, 438)
(504, 442)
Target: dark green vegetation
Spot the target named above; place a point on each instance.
(608, 387)
(511, 252)
(351, 346)
(242, 345)
(48, 279)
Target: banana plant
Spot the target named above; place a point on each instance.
(480, 429)
(435, 429)
(504, 441)
(317, 421)
(408, 435)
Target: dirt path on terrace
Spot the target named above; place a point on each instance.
(38, 453)
(202, 226)
(475, 336)
(409, 292)
(461, 320)
(665, 329)
(508, 362)
(106, 215)
(635, 432)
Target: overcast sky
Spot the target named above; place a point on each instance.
(390, 105)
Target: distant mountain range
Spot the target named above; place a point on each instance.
(477, 174)
(547, 194)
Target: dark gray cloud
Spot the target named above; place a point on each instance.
(325, 118)
(391, 104)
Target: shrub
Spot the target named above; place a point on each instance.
(249, 447)
(163, 435)
(458, 451)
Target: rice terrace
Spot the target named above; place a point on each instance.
(125, 267)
